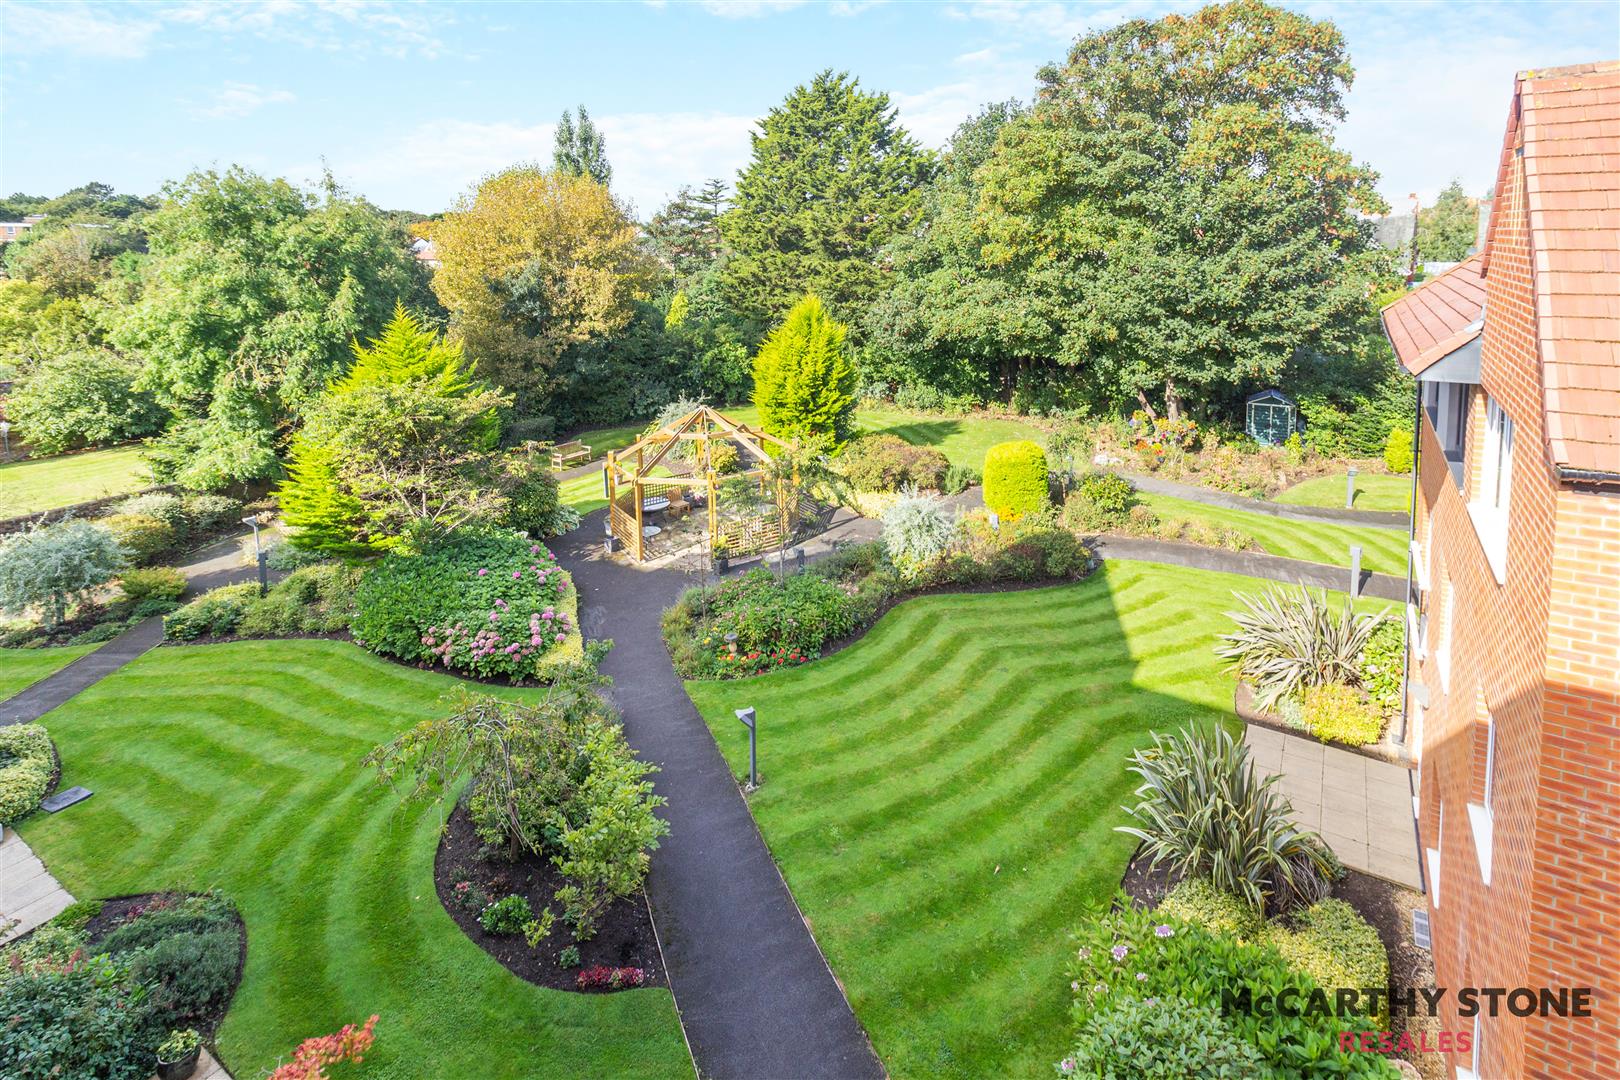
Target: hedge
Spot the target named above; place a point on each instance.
(1015, 479)
(25, 775)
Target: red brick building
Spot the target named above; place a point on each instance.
(1514, 626)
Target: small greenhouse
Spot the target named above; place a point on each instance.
(1271, 417)
(698, 482)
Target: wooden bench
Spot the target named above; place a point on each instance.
(565, 454)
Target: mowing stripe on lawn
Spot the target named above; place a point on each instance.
(1382, 550)
(962, 734)
(237, 766)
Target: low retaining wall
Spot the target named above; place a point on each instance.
(83, 509)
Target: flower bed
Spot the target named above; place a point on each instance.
(489, 604)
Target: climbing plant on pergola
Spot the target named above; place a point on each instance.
(634, 488)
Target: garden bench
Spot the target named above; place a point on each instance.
(565, 454)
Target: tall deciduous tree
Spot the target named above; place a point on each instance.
(580, 149)
(832, 179)
(533, 263)
(251, 295)
(1446, 230)
(804, 383)
(1175, 209)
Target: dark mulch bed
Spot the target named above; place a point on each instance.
(118, 910)
(624, 937)
(1386, 906)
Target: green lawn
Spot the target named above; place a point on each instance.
(237, 766)
(963, 440)
(22, 668)
(27, 487)
(1373, 492)
(1382, 550)
(941, 796)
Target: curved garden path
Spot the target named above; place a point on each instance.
(756, 996)
(1377, 519)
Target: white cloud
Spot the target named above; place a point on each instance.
(240, 99)
(652, 154)
(132, 31)
(748, 9)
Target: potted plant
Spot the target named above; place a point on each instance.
(177, 1055)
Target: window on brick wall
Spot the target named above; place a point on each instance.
(1489, 506)
(1447, 405)
(1481, 795)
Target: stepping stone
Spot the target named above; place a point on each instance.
(64, 799)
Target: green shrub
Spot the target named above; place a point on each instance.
(212, 513)
(1100, 502)
(1128, 1038)
(1015, 479)
(142, 536)
(958, 478)
(1206, 812)
(1398, 450)
(167, 508)
(157, 582)
(53, 565)
(104, 631)
(190, 975)
(1379, 667)
(167, 916)
(723, 458)
(83, 397)
(1334, 946)
(26, 764)
(506, 915)
(1288, 641)
(1180, 961)
(777, 623)
(1340, 713)
(215, 613)
(889, 463)
(483, 602)
(84, 1019)
(77, 915)
(804, 382)
(1197, 900)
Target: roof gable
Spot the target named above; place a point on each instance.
(1438, 317)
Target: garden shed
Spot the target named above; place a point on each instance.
(1271, 417)
(700, 481)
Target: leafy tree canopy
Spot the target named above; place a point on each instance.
(82, 398)
(1446, 230)
(1173, 215)
(581, 150)
(685, 234)
(253, 291)
(533, 263)
(833, 178)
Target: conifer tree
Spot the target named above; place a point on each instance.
(327, 519)
(804, 383)
(580, 149)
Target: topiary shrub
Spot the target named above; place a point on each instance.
(804, 382)
(142, 536)
(1099, 502)
(1197, 900)
(1333, 945)
(154, 583)
(1015, 479)
(1342, 714)
(1130, 1038)
(26, 765)
(1398, 450)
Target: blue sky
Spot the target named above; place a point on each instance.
(410, 103)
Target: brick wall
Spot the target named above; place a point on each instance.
(1528, 653)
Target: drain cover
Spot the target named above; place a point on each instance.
(64, 799)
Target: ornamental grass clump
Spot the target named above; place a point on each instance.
(1205, 811)
(1286, 642)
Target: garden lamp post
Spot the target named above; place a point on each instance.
(1355, 569)
(5, 433)
(258, 553)
(1350, 488)
(747, 718)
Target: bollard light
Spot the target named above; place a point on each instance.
(747, 718)
(1350, 489)
(994, 519)
(1355, 570)
(798, 554)
(258, 554)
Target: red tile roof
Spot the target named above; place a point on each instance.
(1569, 126)
(1438, 317)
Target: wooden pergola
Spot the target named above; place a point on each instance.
(635, 492)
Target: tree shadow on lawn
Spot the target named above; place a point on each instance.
(942, 796)
(921, 432)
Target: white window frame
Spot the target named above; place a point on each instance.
(1489, 508)
(1481, 816)
(1433, 857)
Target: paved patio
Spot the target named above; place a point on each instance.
(1362, 807)
(28, 893)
